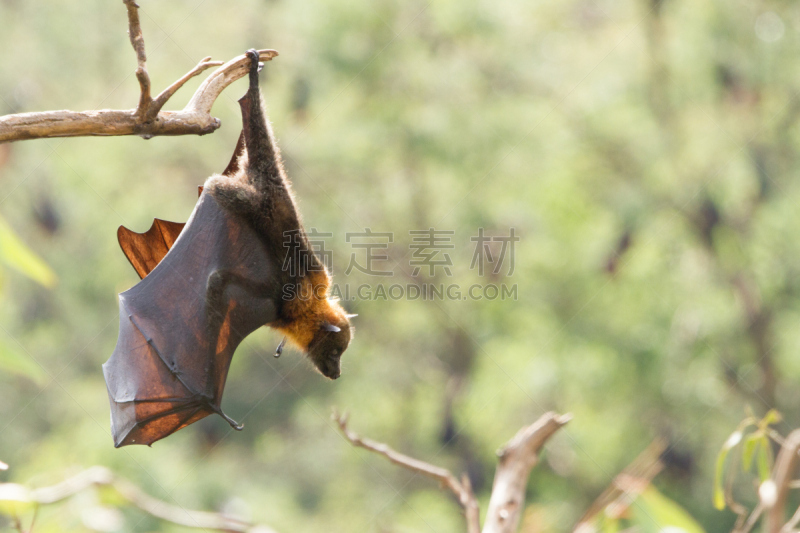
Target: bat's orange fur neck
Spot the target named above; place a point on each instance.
(309, 309)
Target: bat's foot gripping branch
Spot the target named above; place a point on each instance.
(255, 67)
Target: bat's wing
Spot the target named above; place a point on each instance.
(146, 250)
(180, 325)
(236, 159)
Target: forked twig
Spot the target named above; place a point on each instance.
(147, 120)
(517, 458)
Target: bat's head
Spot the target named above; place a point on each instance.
(329, 343)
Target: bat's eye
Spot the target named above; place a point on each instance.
(335, 351)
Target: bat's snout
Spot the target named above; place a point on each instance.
(331, 367)
(327, 347)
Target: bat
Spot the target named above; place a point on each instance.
(241, 261)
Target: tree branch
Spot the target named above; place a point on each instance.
(147, 120)
(781, 479)
(462, 489)
(167, 93)
(517, 458)
(615, 500)
(137, 41)
(99, 476)
(751, 520)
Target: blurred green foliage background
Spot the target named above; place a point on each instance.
(643, 150)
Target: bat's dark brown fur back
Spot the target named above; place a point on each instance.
(259, 191)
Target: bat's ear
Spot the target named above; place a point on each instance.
(327, 326)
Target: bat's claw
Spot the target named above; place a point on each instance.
(234, 424)
(279, 349)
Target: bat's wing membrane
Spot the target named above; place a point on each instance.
(147, 402)
(180, 325)
(146, 250)
(236, 159)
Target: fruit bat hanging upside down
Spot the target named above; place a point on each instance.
(242, 261)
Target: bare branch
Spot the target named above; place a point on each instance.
(167, 93)
(626, 486)
(217, 81)
(462, 489)
(194, 119)
(472, 511)
(780, 481)
(147, 120)
(751, 520)
(99, 476)
(442, 475)
(517, 458)
(137, 41)
(793, 521)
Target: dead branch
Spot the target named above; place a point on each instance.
(147, 120)
(517, 458)
(751, 520)
(99, 476)
(137, 41)
(776, 494)
(626, 486)
(462, 489)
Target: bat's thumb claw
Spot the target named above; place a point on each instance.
(234, 424)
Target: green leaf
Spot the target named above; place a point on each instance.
(16, 254)
(610, 525)
(772, 417)
(764, 459)
(15, 361)
(719, 471)
(653, 511)
(748, 450)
